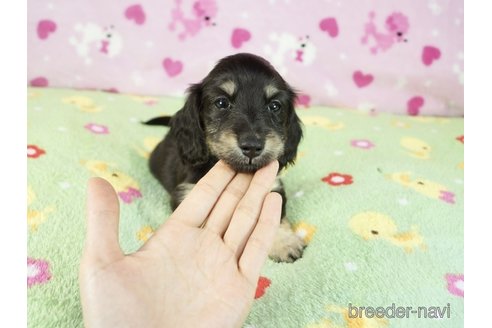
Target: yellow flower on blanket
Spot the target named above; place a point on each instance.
(149, 101)
(426, 187)
(126, 187)
(145, 233)
(416, 148)
(148, 145)
(429, 119)
(323, 122)
(400, 123)
(36, 217)
(305, 231)
(85, 104)
(33, 94)
(351, 321)
(374, 225)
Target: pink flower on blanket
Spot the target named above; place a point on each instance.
(361, 143)
(37, 272)
(97, 128)
(456, 284)
(446, 196)
(129, 195)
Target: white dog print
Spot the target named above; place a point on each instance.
(103, 40)
(288, 48)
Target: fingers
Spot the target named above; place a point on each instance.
(219, 219)
(197, 205)
(246, 214)
(102, 217)
(261, 240)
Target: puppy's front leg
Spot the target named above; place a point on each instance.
(287, 246)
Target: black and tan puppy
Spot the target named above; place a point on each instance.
(243, 113)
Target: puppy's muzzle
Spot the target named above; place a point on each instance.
(251, 146)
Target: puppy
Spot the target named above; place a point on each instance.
(242, 113)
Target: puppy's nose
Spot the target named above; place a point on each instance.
(251, 146)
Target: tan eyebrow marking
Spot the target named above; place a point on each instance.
(228, 87)
(270, 90)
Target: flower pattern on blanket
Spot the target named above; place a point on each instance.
(126, 187)
(374, 225)
(34, 151)
(456, 284)
(424, 186)
(305, 231)
(38, 272)
(35, 217)
(84, 104)
(361, 321)
(323, 122)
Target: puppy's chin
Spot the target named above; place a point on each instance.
(244, 165)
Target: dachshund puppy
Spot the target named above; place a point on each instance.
(242, 113)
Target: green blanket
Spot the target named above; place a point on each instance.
(377, 197)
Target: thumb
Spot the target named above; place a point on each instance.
(102, 216)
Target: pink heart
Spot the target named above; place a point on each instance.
(239, 35)
(329, 25)
(135, 13)
(414, 104)
(303, 100)
(39, 82)
(172, 67)
(429, 54)
(45, 28)
(361, 79)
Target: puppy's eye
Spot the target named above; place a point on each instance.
(222, 103)
(274, 106)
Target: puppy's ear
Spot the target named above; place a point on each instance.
(187, 129)
(294, 136)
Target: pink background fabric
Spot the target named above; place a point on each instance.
(347, 54)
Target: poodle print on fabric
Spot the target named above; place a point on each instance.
(91, 39)
(191, 17)
(395, 29)
(404, 57)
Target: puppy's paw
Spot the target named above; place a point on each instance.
(287, 247)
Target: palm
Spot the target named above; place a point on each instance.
(184, 276)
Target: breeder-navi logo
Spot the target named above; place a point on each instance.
(400, 312)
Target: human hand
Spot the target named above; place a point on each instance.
(199, 269)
